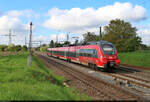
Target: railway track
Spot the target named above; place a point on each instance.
(138, 77)
(129, 79)
(133, 82)
(97, 87)
(135, 73)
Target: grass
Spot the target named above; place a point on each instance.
(19, 82)
(138, 58)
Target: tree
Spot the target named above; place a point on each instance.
(58, 44)
(3, 47)
(11, 48)
(143, 47)
(123, 35)
(43, 45)
(52, 45)
(18, 48)
(148, 47)
(66, 43)
(90, 37)
(43, 48)
(24, 48)
(76, 42)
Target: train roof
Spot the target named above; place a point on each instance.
(88, 43)
(99, 42)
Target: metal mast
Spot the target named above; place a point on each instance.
(30, 46)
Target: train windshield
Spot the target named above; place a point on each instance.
(108, 49)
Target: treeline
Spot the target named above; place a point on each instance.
(58, 44)
(119, 32)
(122, 34)
(12, 48)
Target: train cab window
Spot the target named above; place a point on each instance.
(95, 54)
(108, 49)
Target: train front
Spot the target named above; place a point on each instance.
(109, 56)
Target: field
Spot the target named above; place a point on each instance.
(20, 82)
(138, 58)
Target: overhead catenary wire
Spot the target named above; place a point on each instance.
(9, 37)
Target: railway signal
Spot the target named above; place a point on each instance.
(30, 46)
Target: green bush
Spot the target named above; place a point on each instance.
(24, 48)
(11, 48)
(3, 47)
(18, 48)
(37, 48)
(43, 48)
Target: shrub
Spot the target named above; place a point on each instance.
(24, 48)
(43, 48)
(11, 48)
(18, 48)
(3, 47)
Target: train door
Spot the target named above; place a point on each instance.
(65, 54)
(91, 56)
(77, 55)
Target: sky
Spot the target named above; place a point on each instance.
(53, 18)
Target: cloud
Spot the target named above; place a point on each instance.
(145, 35)
(22, 13)
(17, 22)
(12, 22)
(61, 37)
(77, 19)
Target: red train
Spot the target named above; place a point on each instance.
(98, 55)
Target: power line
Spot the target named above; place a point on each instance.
(38, 42)
(9, 36)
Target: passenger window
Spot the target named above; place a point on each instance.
(84, 52)
(88, 53)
